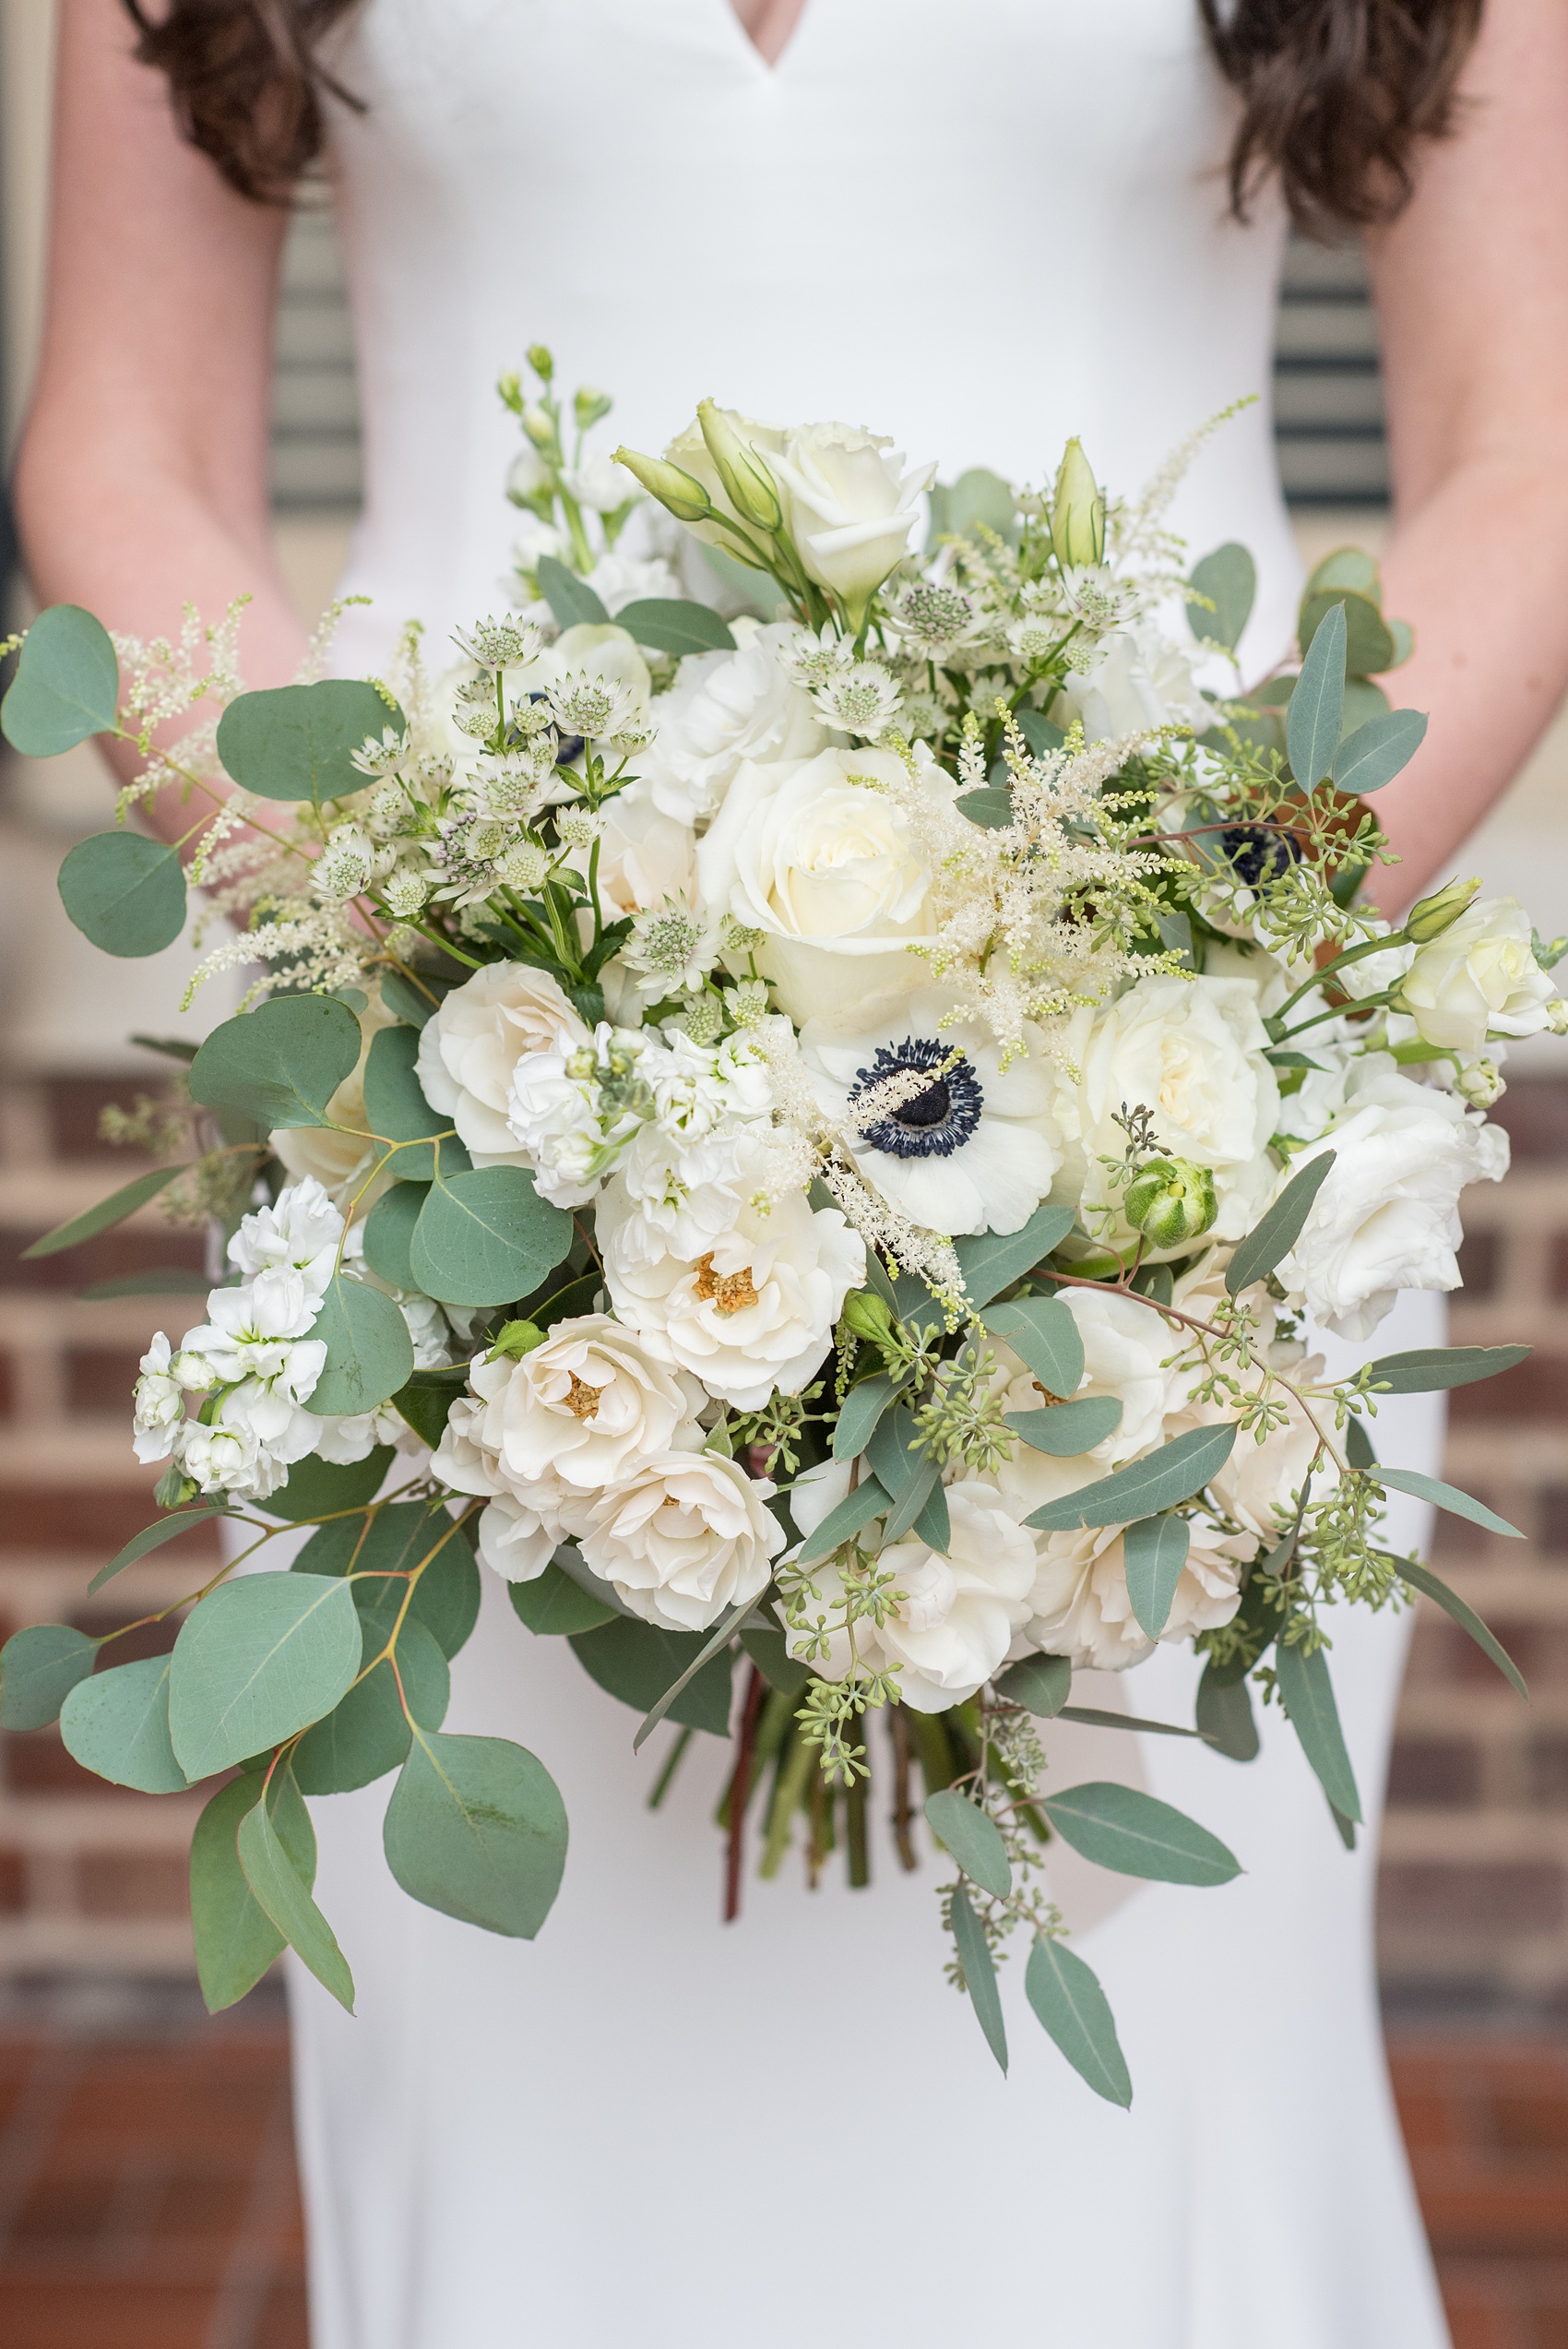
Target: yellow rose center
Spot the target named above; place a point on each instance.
(726, 1291)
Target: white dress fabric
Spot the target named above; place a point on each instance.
(978, 228)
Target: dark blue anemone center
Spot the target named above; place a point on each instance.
(940, 1118)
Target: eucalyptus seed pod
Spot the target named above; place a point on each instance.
(1170, 1200)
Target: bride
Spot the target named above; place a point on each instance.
(979, 229)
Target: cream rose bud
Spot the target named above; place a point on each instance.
(953, 1618)
(680, 1539)
(1191, 1050)
(754, 1312)
(820, 855)
(1079, 1607)
(470, 1049)
(723, 709)
(1387, 1216)
(1479, 975)
(849, 505)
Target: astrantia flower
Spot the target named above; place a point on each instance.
(954, 1141)
(501, 644)
(597, 708)
(933, 618)
(861, 700)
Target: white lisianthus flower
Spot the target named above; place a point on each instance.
(1478, 976)
(573, 1108)
(159, 1401)
(754, 1311)
(1079, 1607)
(723, 709)
(1191, 1050)
(973, 1148)
(340, 1162)
(1136, 679)
(952, 1619)
(302, 1231)
(849, 505)
(1387, 1217)
(680, 1539)
(469, 1048)
(819, 855)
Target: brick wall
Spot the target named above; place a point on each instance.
(1475, 1888)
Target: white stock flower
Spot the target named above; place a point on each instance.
(818, 854)
(849, 505)
(301, 1231)
(469, 1048)
(1479, 975)
(681, 1538)
(1387, 1216)
(1079, 1607)
(229, 1459)
(159, 1402)
(682, 1176)
(724, 708)
(1137, 679)
(972, 1149)
(573, 1108)
(257, 1328)
(600, 483)
(340, 1162)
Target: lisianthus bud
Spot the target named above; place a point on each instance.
(678, 493)
(1480, 1083)
(1557, 1015)
(590, 408)
(538, 427)
(1078, 510)
(1429, 916)
(748, 485)
(866, 1314)
(1170, 1200)
(541, 361)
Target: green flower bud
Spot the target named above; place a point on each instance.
(541, 361)
(538, 427)
(1170, 1200)
(678, 493)
(515, 1339)
(748, 485)
(867, 1316)
(173, 1488)
(590, 408)
(1429, 916)
(1078, 510)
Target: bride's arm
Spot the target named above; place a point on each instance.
(141, 483)
(1472, 295)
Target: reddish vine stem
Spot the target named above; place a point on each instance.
(739, 1793)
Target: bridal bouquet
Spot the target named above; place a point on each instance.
(813, 1143)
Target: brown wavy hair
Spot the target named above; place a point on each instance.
(1337, 95)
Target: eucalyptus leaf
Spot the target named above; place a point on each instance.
(369, 1352)
(1359, 1444)
(979, 1975)
(674, 626)
(66, 685)
(172, 1281)
(1070, 2004)
(1429, 1369)
(487, 1238)
(1155, 1551)
(1224, 1716)
(152, 1537)
(1228, 578)
(990, 806)
(981, 502)
(396, 1110)
(1044, 1334)
(1097, 1717)
(1349, 567)
(863, 1407)
(1307, 1694)
(1369, 641)
(279, 1064)
(476, 1827)
(297, 741)
(1378, 751)
(1422, 1578)
(39, 1667)
(890, 1452)
(282, 1893)
(318, 1487)
(124, 892)
(108, 1212)
(367, 1733)
(425, 1405)
(389, 1231)
(912, 1502)
(994, 1261)
(1277, 1232)
(973, 1839)
(571, 600)
(1063, 1430)
(415, 1000)
(116, 1724)
(1446, 1496)
(1147, 1487)
(714, 1644)
(933, 1523)
(235, 1939)
(767, 1649)
(256, 1660)
(1122, 1827)
(637, 1662)
(855, 1510)
(381, 1550)
(1040, 733)
(1041, 1684)
(554, 1607)
(1311, 724)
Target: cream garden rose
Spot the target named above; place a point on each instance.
(681, 1538)
(1479, 976)
(723, 709)
(1079, 1607)
(469, 1052)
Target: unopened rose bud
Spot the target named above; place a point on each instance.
(748, 485)
(1078, 510)
(1170, 1200)
(678, 493)
(1429, 916)
(515, 1339)
(541, 361)
(867, 1316)
(1480, 1083)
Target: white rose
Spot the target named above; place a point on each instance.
(754, 1312)
(1191, 1050)
(683, 1537)
(1079, 1606)
(849, 507)
(1387, 1217)
(470, 1049)
(819, 855)
(953, 1618)
(514, 1540)
(1479, 975)
(724, 708)
(1135, 679)
(340, 1162)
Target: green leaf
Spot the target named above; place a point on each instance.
(1312, 723)
(413, 1004)
(369, 1352)
(389, 1231)
(1229, 579)
(1043, 1334)
(637, 1661)
(912, 1502)
(66, 685)
(368, 1732)
(990, 806)
(1446, 1496)
(1170, 1475)
(1347, 567)
(857, 1509)
(671, 625)
(487, 1237)
(714, 1642)
(973, 1839)
(552, 1606)
(395, 1108)
(381, 1550)
(152, 1537)
(1369, 641)
(1224, 1716)
(113, 1209)
(1422, 1578)
(39, 1667)
(317, 1487)
(893, 1461)
(1378, 751)
(279, 1064)
(1066, 1429)
(235, 1939)
(1155, 1550)
(1122, 1827)
(116, 1724)
(1041, 1684)
(995, 1260)
(282, 1892)
(476, 1827)
(255, 1662)
(176, 1281)
(1428, 1368)
(978, 502)
(1359, 1444)
(1070, 2004)
(767, 1649)
(426, 1406)
(863, 1407)
(979, 1975)
(570, 599)
(297, 741)
(1276, 1233)
(1098, 1718)
(124, 892)
(1307, 1693)
(1038, 732)
(933, 1523)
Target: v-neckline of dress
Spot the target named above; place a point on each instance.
(765, 63)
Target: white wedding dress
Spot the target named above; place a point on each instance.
(979, 228)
